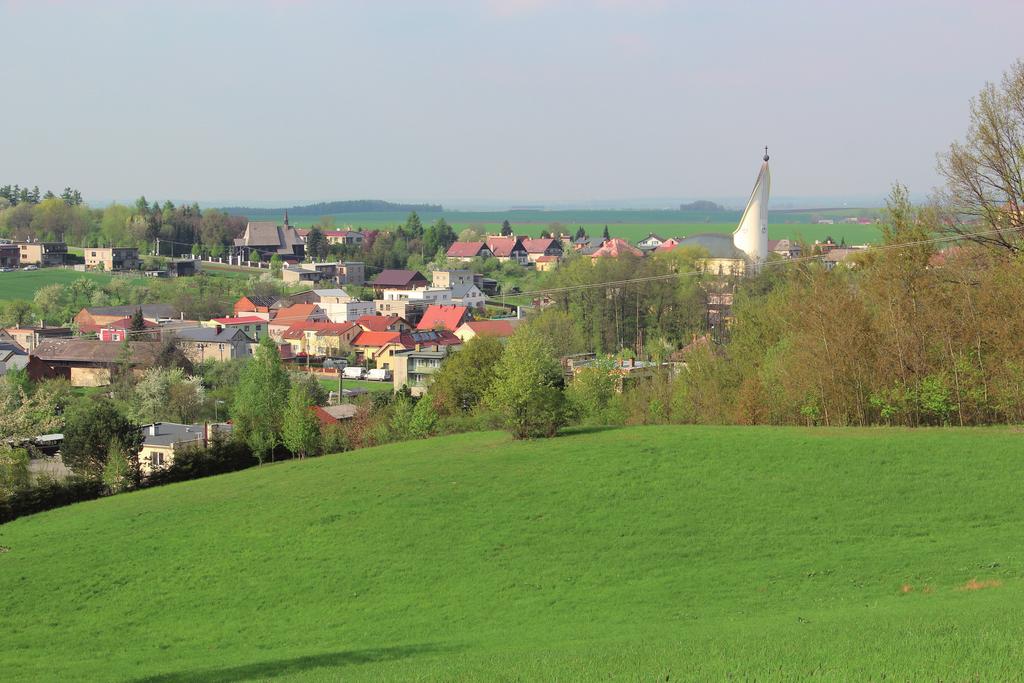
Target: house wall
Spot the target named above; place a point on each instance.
(197, 352)
(90, 377)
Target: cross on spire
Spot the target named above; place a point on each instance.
(766, 152)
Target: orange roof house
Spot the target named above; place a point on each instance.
(439, 317)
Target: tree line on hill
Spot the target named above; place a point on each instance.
(328, 208)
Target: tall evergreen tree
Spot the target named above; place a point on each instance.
(506, 228)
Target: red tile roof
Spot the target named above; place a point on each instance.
(503, 246)
(375, 339)
(616, 247)
(668, 245)
(298, 330)
(296, 313)
(538, 245)
(465, 249)
(442, 317)
(379, 323)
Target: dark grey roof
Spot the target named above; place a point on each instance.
(7, 347)
(148, 310)
(266, 301)
(397, 278)
(211, 334)
(169, 433)
(718, 245)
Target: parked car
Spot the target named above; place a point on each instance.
(379, 375)
(354, 372)
(31, 268)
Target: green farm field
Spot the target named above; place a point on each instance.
(631, 225)
(650, 553)
(332, 385)
(22, 284)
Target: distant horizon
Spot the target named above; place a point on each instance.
(485, 205)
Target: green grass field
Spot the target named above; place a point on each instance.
(631, 225)
(332, 385)
(22, 284)
(655, 553)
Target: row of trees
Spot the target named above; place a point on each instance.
(181, 228)
(199, 298)
(12, 195)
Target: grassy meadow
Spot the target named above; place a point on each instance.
(631, 225)
(22, 284)
(650, 553)
(332, 385)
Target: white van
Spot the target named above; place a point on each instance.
(353, 372)
(378, 375)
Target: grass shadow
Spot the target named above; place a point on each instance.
(592, 429)
(295, 665)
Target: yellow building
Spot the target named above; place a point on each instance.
(161, 440)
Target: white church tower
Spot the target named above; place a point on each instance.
(751, 236)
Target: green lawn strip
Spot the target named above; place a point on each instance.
(640, 553)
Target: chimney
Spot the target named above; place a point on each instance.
(152, 429)
(219, 328)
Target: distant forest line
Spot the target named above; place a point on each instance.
(328, 208)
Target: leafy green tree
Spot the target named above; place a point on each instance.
(276, 265)
(90, 427)
(527, 394)
(122, 469)
(14, 473)
(16, 312)
(301, 430)
(592, 392)
(424, 420)
(260, 400)
(465, 377)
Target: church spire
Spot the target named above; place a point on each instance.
(286, 218)
(766, 152)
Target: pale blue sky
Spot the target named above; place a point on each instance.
(514, 100)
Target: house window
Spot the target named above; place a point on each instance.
(158, 459)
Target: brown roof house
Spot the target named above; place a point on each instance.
(87, 362)
(398, 279)
(93, 318)
(264, 239)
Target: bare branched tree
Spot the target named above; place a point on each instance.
(984, 190)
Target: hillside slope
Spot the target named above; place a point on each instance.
(681, 552)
